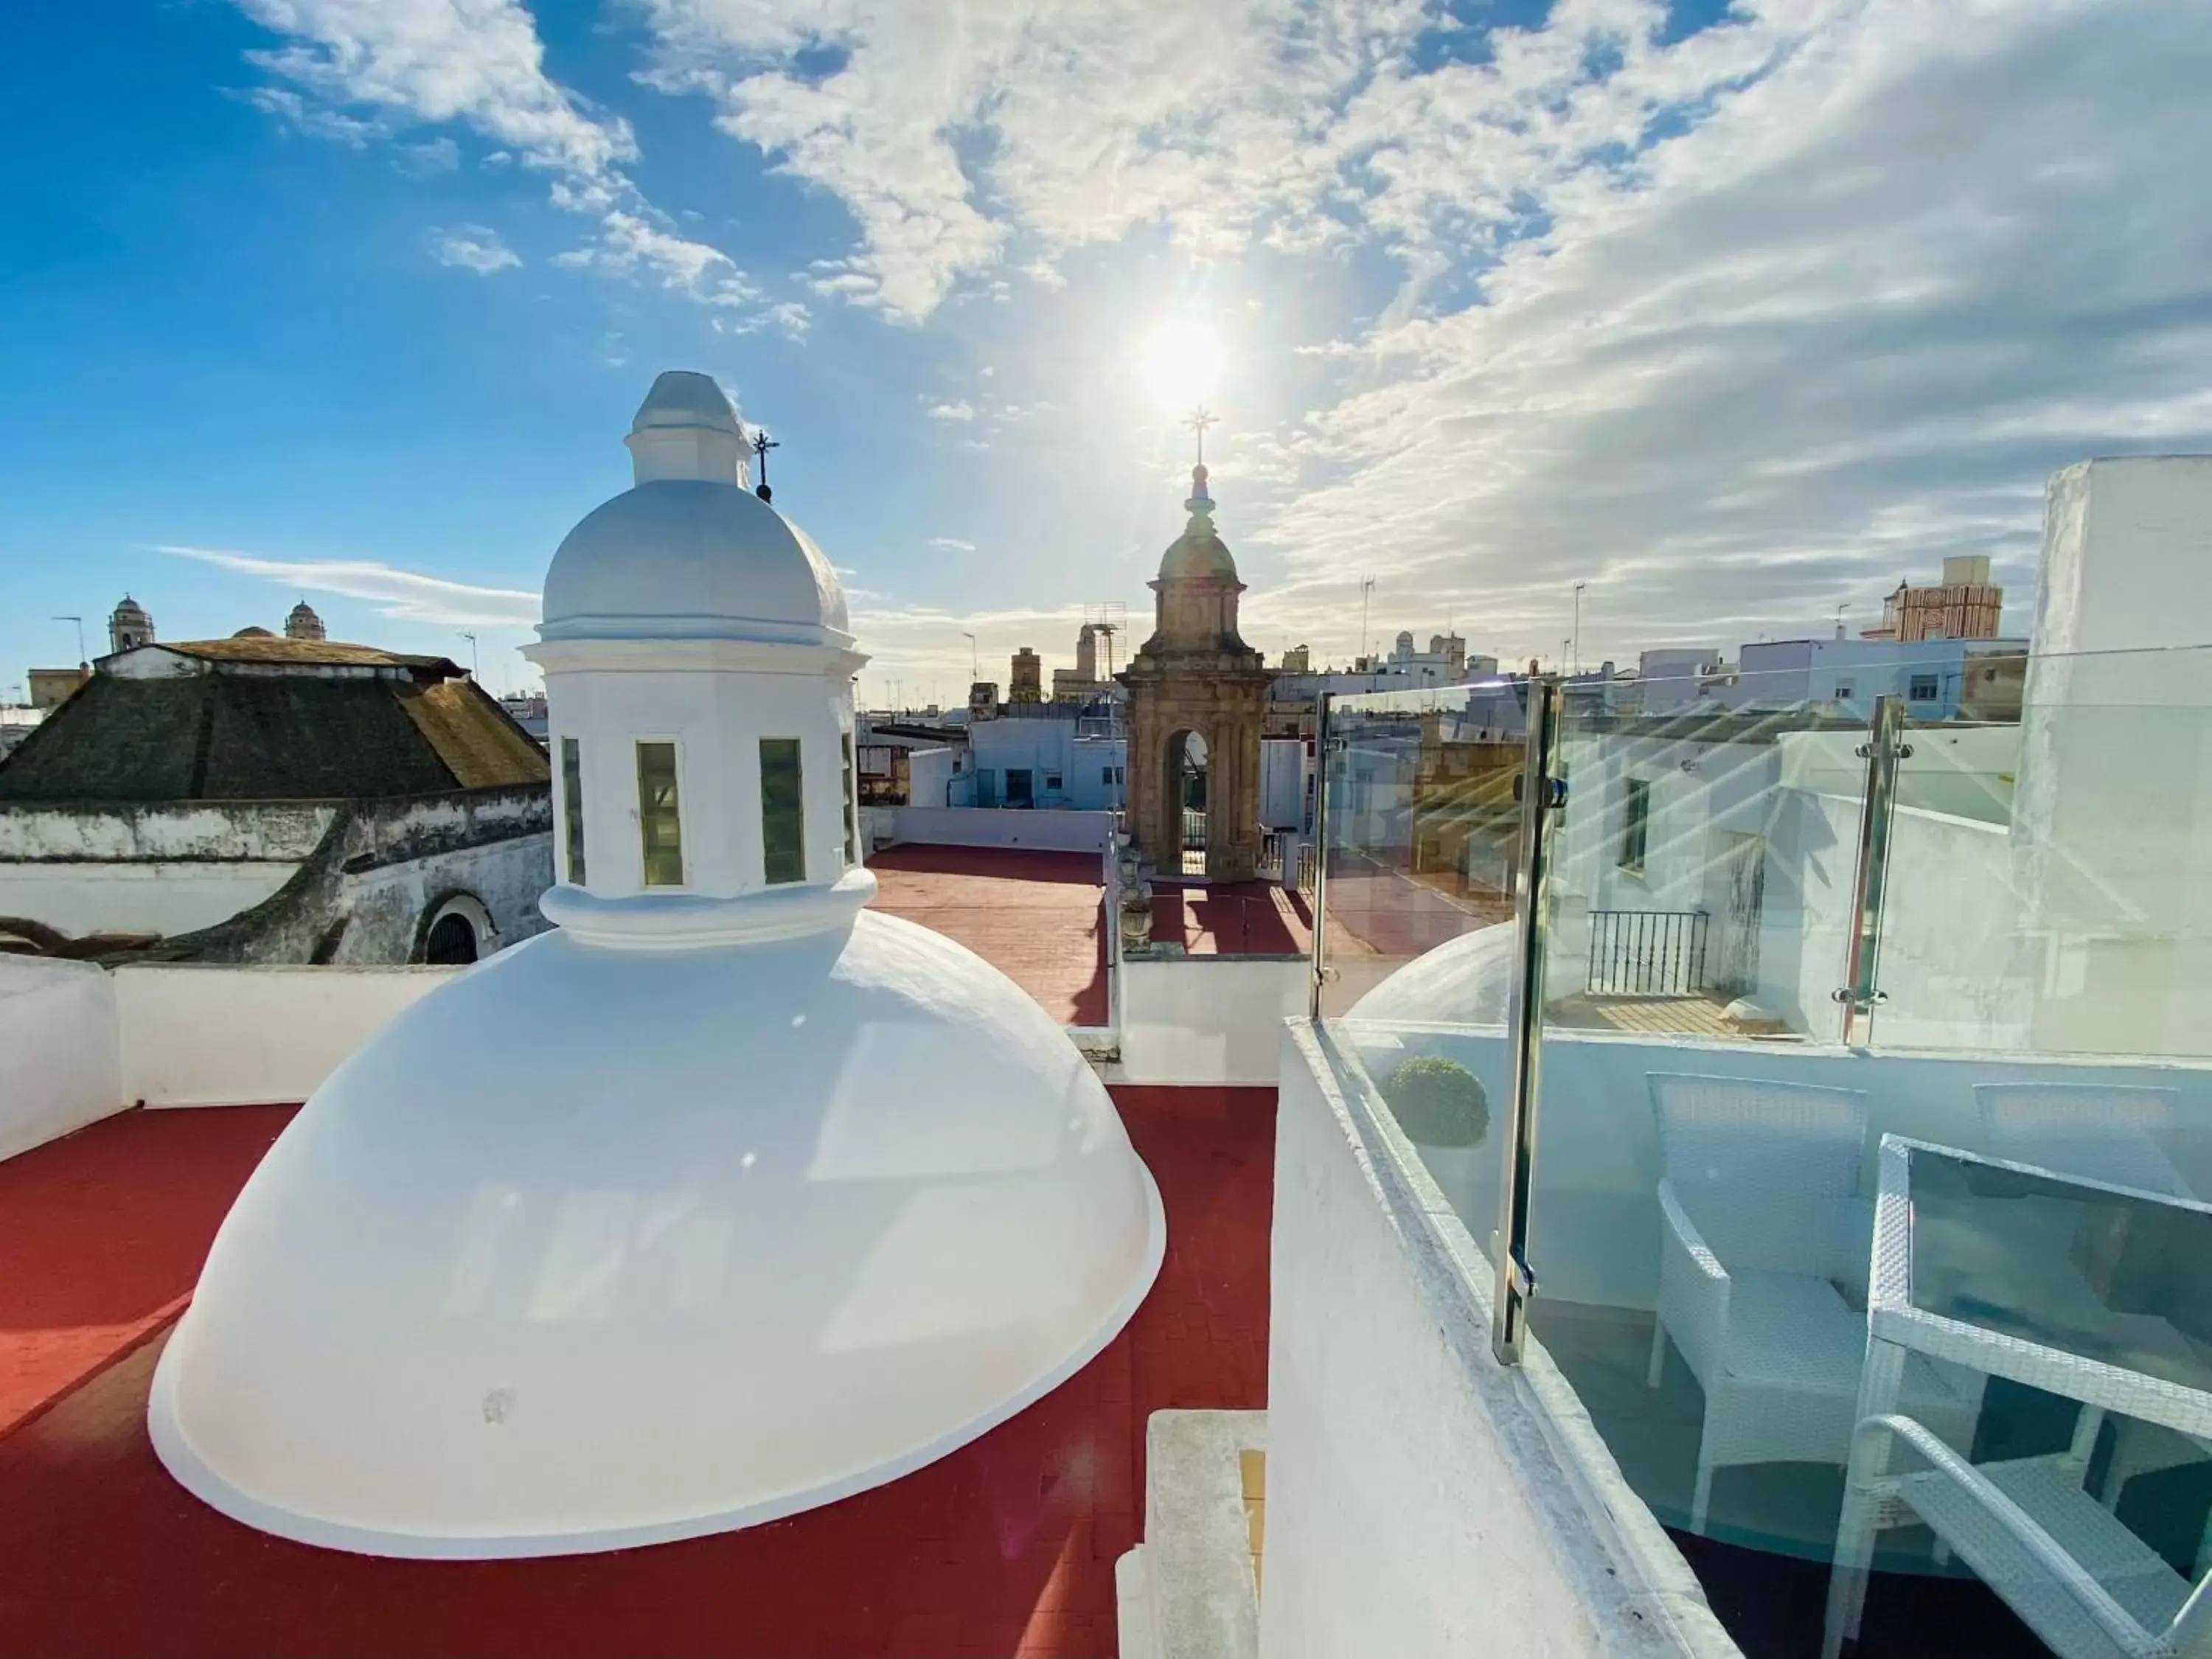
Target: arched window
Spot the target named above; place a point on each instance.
(457, 930)
(453, 942)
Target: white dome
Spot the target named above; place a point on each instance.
(1465, 980)
(689, 552)
(598, 1247)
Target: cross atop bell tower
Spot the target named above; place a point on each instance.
(1198, 421)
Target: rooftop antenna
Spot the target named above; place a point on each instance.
(761, 444)
(1199, 419)
(1366, 587)
(79, 620)
(1578, 626)
(1840, 609)
(975, 662)
(471, 638)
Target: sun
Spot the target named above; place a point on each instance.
(1180, 363)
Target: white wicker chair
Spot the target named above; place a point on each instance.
(2084, 1583)
(2124, 1136)
(1763, 1233)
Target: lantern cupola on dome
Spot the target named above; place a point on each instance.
(726, 1197)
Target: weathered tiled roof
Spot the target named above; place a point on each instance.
(273, 737)
(304, 654)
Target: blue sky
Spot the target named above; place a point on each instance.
(1735, 314)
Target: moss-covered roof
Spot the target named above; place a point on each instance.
(219, 736)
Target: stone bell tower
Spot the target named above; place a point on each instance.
(1195, 677)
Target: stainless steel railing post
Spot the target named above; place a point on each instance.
(1321, 856)
(1542, 793)
(1884, 748)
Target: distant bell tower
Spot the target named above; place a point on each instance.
(303, 623)
(129, 627)
(1197, 696)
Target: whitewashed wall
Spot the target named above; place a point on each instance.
(58, 1067)
(199, 1036)
(1951, 914)
(929, 777)
(85, 898)
(1424, 1501)
(1207, 1019)
(990, 826)
(165, 868)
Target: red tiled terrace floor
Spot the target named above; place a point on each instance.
(1035, 916)
(1005, 1547)
(1239, 919)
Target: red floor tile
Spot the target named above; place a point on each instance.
(1241, 919)
(1035, 916)
(1006, 1548)
(102, 1233)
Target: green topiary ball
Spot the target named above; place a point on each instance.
(1438, 1102)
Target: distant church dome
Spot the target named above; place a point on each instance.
(725, 1198)
(690, 551)
(1199, 552)
(253, 634)
(303, 623)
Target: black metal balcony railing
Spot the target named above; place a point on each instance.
(1649, 953)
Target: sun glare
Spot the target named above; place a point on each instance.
(1179, 363)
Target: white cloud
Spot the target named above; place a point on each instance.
(951, 544)
(430, 157)
(1039, 126)
(403, 595)
(475, 62)
(1842, 327)
(358, 69)
(473, 247)
(296, 112)
(962, 411)
(1736, 326)
(789, 317)
(630, 245)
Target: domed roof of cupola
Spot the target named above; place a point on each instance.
(728, 1196)
(1199, 553)
(689, 552)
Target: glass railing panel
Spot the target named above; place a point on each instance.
(1698, 828)
(1420, 847)
(2050, 886)
(1420, 839)
(1697, 930)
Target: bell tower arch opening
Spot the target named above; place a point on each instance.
(1184, 782)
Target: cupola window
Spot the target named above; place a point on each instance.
(783, 817)
(852, 809)
(660, 823)
(572, 806)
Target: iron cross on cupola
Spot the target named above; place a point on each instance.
(1201, 418)
(761, 444)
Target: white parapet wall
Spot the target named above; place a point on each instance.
(193, 1035)
(1201, 1019)
(1424, 1500)
(1048, 830)
(58, 1062)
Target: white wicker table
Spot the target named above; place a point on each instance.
(2091, 1291)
